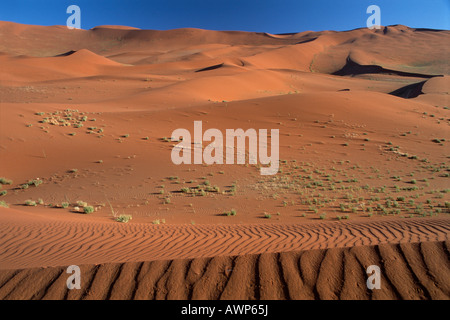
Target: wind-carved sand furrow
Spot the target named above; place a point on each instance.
(340, 237)
(362, 233)
(124, 286)
(194, 273)
(390, 272)
(135, 280)
(31, 284)
(6, 276)
(270, 284)
(75, 294)
(309, 264)
(79, 243)
(279, 238)
(147, 281)
(52, 276)
(58, 288)
(224, 243)
(329, 283)
(243, 239)
(294, 282)
(353, 286)
(176, 282)
(412, 254)
(69, 245)
(103, 282)
(241, 284)
(438, 264)
(16, 279)
(20, 237)
(177, 244)
(214, 279)
(408, 271)
(368, 256)
(354, 237)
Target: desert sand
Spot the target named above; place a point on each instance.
(86, 118)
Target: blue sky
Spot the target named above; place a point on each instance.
(273, 16)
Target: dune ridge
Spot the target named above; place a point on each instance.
(58, 243)
(409, 271)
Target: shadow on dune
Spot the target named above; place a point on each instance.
(352, 68)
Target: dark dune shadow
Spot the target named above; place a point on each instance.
(217, 66)
(352, 68)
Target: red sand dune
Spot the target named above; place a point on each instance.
(413, 272)
(364, 122)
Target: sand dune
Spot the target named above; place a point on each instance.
(42, 242)
(86, 118)
(408, 271)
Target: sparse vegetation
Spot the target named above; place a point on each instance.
(30, 203)
(5, 181)
(88, 209)
(125, 218)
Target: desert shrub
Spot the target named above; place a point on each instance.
(65, 205)
(35, 182)
(3, 204)
(3, 192)
(5, 181)
(125, 218)
(81, 203)
(88, 209)
(30, 203)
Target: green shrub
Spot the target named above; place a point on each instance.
(5, 181)
(3, 204)
(3, 192)
(81, 203)
(125, 218)
(65, 205)
(30, 203)
(88, 209)
(35, 182)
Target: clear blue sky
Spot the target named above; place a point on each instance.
(273, 16)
